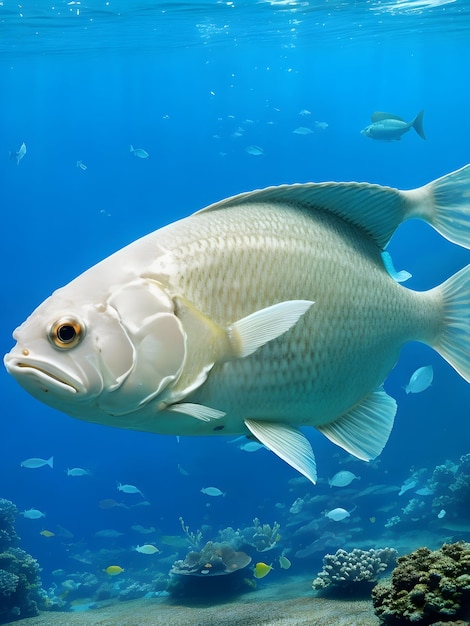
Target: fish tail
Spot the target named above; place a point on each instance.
(417, 124)
(445, 204)
(453, 340)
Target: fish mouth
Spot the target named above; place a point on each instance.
(46, 378)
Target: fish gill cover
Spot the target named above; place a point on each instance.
(218, 99)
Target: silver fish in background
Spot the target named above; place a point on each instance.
(390, 127)
(265, 312)
(19, 154)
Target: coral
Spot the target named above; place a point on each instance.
(347, 569)
(213, 560)
(8, 513)
(20, 587)
(193, 538)
(426, 587)
(263, 537)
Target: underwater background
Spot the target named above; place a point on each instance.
(224, 97)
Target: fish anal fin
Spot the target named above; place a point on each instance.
(255, 330)
(288, 443)
(364, 431)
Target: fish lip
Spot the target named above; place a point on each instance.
(38, 370)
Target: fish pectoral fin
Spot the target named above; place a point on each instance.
(198, 411)
(288, 443)
(364, 431)
(255, 330)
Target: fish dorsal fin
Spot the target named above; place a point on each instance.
(364, 431)
(288, 443)
(379, 116)
(375, 209)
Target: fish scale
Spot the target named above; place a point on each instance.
(262, 313)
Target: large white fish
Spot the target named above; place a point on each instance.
(260, 314)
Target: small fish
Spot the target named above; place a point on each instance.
(420, 380)
(182, 471)
(212, 491)
(284, 562)
(424, 491)
(401, 276)
(108, 533)
(18, 155)
(139, 152)
(129, 489)
(337, 515)
(305, 112)
(33, 514)
(251, 446)
(142, 530)
(302, 130)
(113, 570)
(78, 471)
(372, 519)
(35, 463)
(321, 125)
(47, 533)
(410, 483)
(441, 514)
(342, 479)
(389, 127)
(147, 549)
(262, 570)
(230, 321)
(254, 150)
(81, 165)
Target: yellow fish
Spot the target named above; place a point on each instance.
(262, 570)
(47, 533)
(114, 570)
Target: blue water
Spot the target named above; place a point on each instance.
(194, 85)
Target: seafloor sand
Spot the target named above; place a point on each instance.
(254, 609)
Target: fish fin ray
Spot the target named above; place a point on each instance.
(376, 210)
(453, 342)
(260, 327)
(198, 411)
(364, 431)
(379, 116)
(445, 204)
(288, 443)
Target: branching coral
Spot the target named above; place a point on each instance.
(213, 560)
(20, 589)
(263, 537)
(193, 538)
(347, 569)
(426, 587)
(8, 513)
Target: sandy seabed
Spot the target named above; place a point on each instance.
(276, 605)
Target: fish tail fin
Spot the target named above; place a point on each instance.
(131, 148)
(417, 124)
(453, 341)
(445, 204)
(50, 462)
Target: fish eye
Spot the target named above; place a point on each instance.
(66, 333)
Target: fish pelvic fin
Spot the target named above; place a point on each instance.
(417, 124)
(453, 340)
(365, 429)
(445, 205)
(288, 443)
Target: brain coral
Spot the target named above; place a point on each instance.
(426, 587)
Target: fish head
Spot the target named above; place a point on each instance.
(368, 131)
(97, 355)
